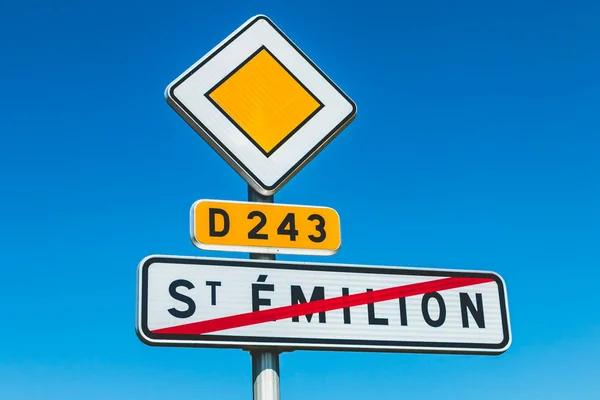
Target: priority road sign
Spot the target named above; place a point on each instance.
(261, 103)
(211, 302)
(264, 227)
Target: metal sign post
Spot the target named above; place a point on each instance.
(265, 364)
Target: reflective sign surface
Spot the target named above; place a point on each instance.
(249, 303)
(261, 103)
(264, 228)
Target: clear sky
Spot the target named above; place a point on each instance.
(476, 146)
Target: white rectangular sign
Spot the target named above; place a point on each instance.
(212, 302)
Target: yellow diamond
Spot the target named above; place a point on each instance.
(266, 102)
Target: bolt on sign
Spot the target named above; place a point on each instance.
(261, 103)
(211, 302)
(264, 228)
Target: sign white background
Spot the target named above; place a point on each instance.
(234, 296)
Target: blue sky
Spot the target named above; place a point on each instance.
(475, 146)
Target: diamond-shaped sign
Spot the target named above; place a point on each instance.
(261, 103)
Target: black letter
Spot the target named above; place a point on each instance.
(372, 319)
(346, 310)
(319, 228)
(425, 309)
(212, 231)
(253, 234)
(477, 313)
(213, 291)
(403, 318)
(298, 297)
(183, 298)
(256, 289)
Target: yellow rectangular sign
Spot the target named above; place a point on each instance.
(264, 228)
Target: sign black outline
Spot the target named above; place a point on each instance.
(228, 155)
(420, 347)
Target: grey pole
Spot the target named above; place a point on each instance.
(265, 364)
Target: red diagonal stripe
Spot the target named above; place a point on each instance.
(313, 307)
